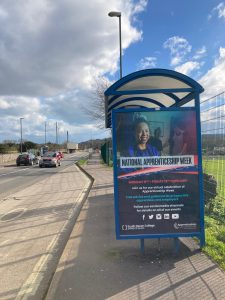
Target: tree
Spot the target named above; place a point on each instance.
(96, 109)
(8, 146)
(3, 148)
(10, 142)
(30, 145)
(27, 145)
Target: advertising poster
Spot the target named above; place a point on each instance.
(156, 173)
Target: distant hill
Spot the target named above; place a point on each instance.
(212, 141)
(209, 142)
(95, 144)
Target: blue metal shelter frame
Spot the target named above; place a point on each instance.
(156, 89)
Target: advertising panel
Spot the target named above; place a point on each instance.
(156, 172)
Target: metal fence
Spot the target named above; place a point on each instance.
(213, 148)
(106, 152)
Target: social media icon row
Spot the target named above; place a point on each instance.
(162, 216)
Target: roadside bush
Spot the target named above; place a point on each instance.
(210, 193)
(3, 149)
(7, 148)
(218, 209)
(221, 235)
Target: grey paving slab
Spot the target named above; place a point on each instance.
(95, 265)
(34, 226)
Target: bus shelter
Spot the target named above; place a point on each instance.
(155, 119)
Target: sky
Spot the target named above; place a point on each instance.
(52, 52)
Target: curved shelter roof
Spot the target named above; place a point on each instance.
(151, 88)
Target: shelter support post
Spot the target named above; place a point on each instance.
(142, 244)
(159, 245)
(176, 245)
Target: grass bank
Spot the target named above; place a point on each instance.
(214, 220)
(215, 240)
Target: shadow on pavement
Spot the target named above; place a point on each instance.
(97, 266)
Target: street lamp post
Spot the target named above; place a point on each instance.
(21, 135)
(118, 14)
(56, 133)
(45, 132)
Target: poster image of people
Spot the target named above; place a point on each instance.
(156, 172)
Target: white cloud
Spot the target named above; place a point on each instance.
(50, 53)
(219, 10)
(18, 105)
(4, 104)
(221, 56)
(179, 47)
(200, 53)
(214, 80)
(139, 6)
(68, 106)
(47, 47)
(176, 60)
(147, 62)
(3, 13)
(188, 67)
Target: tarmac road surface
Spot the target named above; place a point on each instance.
(14, 179)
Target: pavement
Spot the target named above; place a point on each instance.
(35, 224)
(94, 265)
(8, 163)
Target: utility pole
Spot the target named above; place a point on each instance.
(56, 133)
(21, 135)
(67, 140)
(45, 133)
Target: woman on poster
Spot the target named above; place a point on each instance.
(142, 146)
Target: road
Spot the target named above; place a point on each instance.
(13, 178)
(36, 218)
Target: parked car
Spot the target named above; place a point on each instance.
(50, 159)
(26, 159)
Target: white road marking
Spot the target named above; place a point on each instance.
(4, 174)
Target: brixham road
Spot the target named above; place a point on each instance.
(38, 208)
(13, 178)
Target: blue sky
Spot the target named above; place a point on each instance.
(51, 52)
(196, 22)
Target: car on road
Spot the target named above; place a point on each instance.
(61, 154)
(50, 159)
(26, 159)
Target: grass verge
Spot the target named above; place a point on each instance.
(82, 162)
(109, 165)
(215, 241)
